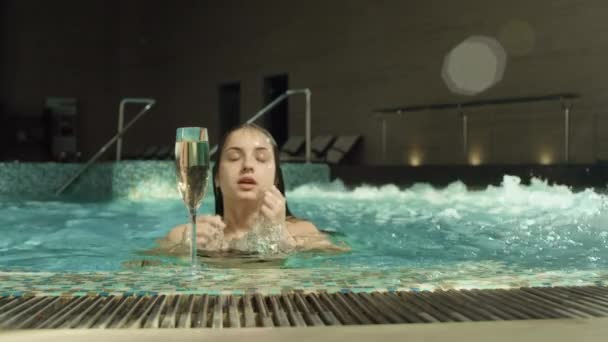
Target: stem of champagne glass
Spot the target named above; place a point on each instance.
(193, 237)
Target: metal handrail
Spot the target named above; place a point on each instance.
(564, 98)
(477, 103)
(115, 138)
(121, 119)
(150, 102)
(275, 102)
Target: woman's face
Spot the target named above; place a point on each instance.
(247, 165)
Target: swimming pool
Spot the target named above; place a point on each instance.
(415, 238)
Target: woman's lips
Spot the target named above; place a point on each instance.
(247, 180)
(246, 183)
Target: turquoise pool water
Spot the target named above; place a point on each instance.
(523, 228)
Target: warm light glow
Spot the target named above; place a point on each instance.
(475, 158)
(415, 158)
(546, 158)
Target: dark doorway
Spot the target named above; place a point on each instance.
(276, 121)
(230, 106)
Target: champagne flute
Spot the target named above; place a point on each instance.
(192, 171)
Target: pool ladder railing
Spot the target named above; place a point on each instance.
(117, 137)
(122, 129)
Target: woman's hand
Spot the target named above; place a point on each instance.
(209, 232)
(273, 206)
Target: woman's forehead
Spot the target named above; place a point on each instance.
(247, 137)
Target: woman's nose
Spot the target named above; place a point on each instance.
(247, 164)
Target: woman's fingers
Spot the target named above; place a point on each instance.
(217, 221)
(273, 199)
(274, 213)
(270, 200)
(208, 223)
(213, 219)
(267, 211)
(272, 204)
(276, 191)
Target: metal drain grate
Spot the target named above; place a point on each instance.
(298, 309)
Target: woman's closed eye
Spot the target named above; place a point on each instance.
(262, 156)
(233, 155)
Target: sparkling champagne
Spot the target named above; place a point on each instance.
(192, 169)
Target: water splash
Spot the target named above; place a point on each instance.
(531, 225)
(265, 238)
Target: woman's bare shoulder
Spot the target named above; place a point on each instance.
(176, 233)
(301, 227)
(309, 237)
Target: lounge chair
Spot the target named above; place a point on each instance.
(164, 152)
(339, 150)
(136, 154)
(318, 146)
(150, 152)
(291, 148)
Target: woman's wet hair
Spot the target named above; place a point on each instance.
(278, 177)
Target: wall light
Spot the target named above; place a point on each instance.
(545, 158)
(475, 158)
(415, 158)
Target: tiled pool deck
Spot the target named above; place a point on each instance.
(161, 280)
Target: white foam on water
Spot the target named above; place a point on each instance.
(510, 198)
(539, 222)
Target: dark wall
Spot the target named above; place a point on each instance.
(354, 55)
(98, 52)
(63, 49)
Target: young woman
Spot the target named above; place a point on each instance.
(251, 209)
